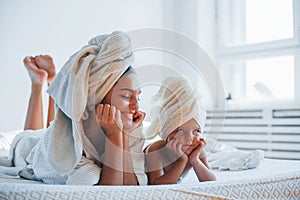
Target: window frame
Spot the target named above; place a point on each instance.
(241, 53)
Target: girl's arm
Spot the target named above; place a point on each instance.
(202, 170)
(154, 165)
(198, 161)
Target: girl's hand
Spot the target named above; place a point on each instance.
(175, 147)
(198, 151)
(109, 119)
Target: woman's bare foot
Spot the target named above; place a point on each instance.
(45, 62)
(37, 75)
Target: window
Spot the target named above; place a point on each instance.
(258, 50)
(271, 77)
(268, 20)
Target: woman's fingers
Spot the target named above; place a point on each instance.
(108, 115)
(105, 115)
(118, 119)
(139, 117)
(112, 113)
(99, 111)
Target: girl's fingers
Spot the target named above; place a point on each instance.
(202, 142)
(178, 149)
(170, 144)
(174, 143)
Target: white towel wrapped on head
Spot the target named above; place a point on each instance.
(81, 84)
(174, 104)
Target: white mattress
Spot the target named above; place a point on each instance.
(272, 179)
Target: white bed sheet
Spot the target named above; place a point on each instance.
(273, 179)
(267, 168)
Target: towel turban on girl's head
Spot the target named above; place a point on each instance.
(174, 104)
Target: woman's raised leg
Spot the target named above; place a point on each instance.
(34, 118)
(45, 62)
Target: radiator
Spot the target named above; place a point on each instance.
(276, 131)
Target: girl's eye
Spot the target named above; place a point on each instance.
(197, 132)
(180, 130)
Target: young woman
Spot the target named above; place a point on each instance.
(179, 122)
(95, 135)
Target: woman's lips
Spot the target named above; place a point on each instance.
(128, 115)
(188, 145)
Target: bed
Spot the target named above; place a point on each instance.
(272, 179)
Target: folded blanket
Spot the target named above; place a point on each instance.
(226, 157)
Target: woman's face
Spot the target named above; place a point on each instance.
(125, 97)
(188, 135)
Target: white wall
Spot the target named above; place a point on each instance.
(196, 20)
(59, 28)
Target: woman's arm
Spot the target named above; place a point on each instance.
(110, 121)
(112, 170)
(129, 177)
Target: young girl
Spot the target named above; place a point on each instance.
(95, 132)
(179, 121)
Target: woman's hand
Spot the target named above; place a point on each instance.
(109, 119)
(198, 151)
(138, 118)
(175, 147)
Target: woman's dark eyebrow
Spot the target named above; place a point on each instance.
(127, 89)
(130, 90)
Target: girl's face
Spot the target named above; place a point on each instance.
(188, 135)
(125, 97)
